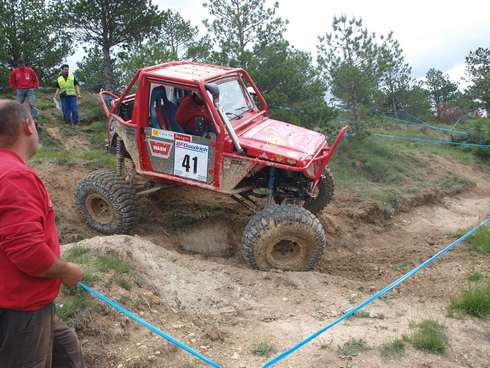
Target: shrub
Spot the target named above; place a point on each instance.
(475, 302)
(353, 348)
(430, 336)
(393, 349)
(263, 349)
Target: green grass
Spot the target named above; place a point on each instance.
(109, 262)
(430, 336)
(385, 171)
(98, 159)
(59, 157)
(352, 348)
(93, 154)
(474, 302)
(361, 314)
(123, 282)
(480, 241)
(78, 254)
(69, 305)
(264, 349)
(393, 350)
(475, 277)
(402, 267)
(96, 134)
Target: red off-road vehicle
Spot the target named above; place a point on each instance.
(207, 126)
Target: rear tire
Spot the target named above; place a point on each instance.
(106, 202)
(285, 237)
(325, 193)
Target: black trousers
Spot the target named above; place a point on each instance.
(37, 340)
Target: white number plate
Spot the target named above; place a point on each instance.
(191, 160)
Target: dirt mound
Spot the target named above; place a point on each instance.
(224, 309)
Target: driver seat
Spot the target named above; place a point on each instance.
(162, 111)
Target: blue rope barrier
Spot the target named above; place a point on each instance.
(430, 141)
(429, 126)
(148, 325)
(379, 294)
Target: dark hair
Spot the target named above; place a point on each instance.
(20, 60)
(12, 114)
(65, 66)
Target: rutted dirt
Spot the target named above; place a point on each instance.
(222, 308)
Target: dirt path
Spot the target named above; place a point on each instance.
(223, 308)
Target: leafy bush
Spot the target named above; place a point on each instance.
(480, 134)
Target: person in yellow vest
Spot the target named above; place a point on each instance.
(68, 89)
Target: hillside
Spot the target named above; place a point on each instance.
(397, 203)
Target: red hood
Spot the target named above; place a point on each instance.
(282, 142)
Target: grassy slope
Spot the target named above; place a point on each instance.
(383, 170)
(83, 144)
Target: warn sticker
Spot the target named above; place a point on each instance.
(160, 149)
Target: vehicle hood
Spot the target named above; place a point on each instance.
(281, 142)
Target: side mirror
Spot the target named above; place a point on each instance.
(214, 90)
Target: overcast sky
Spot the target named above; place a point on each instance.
(432, 33)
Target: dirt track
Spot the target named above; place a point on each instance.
(222, 308)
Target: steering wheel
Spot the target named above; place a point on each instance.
(197, 125)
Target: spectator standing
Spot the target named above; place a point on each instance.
(31, 269)
(68, 88)
(24, 82)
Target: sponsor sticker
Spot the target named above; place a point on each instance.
(164, 134)
(160, 149)
(192, 147)
(183, 137)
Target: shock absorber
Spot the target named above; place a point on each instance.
(271, 186)
(119, 156)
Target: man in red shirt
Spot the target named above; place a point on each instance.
(24, 82)
(31, 269)
(193, 115)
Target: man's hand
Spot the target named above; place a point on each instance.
(72, 275)
(69, 273)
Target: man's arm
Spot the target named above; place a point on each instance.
(57, 93)
(77, 88)
(22, 232)
(35, 78)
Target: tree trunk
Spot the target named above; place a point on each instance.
(355, 108)
(393, 103)
(108, 69)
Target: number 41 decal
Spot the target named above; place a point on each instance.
(191, 160)
(186, 163)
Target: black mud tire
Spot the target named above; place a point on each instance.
(285, 237)
(106, 202)
(325, 193)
